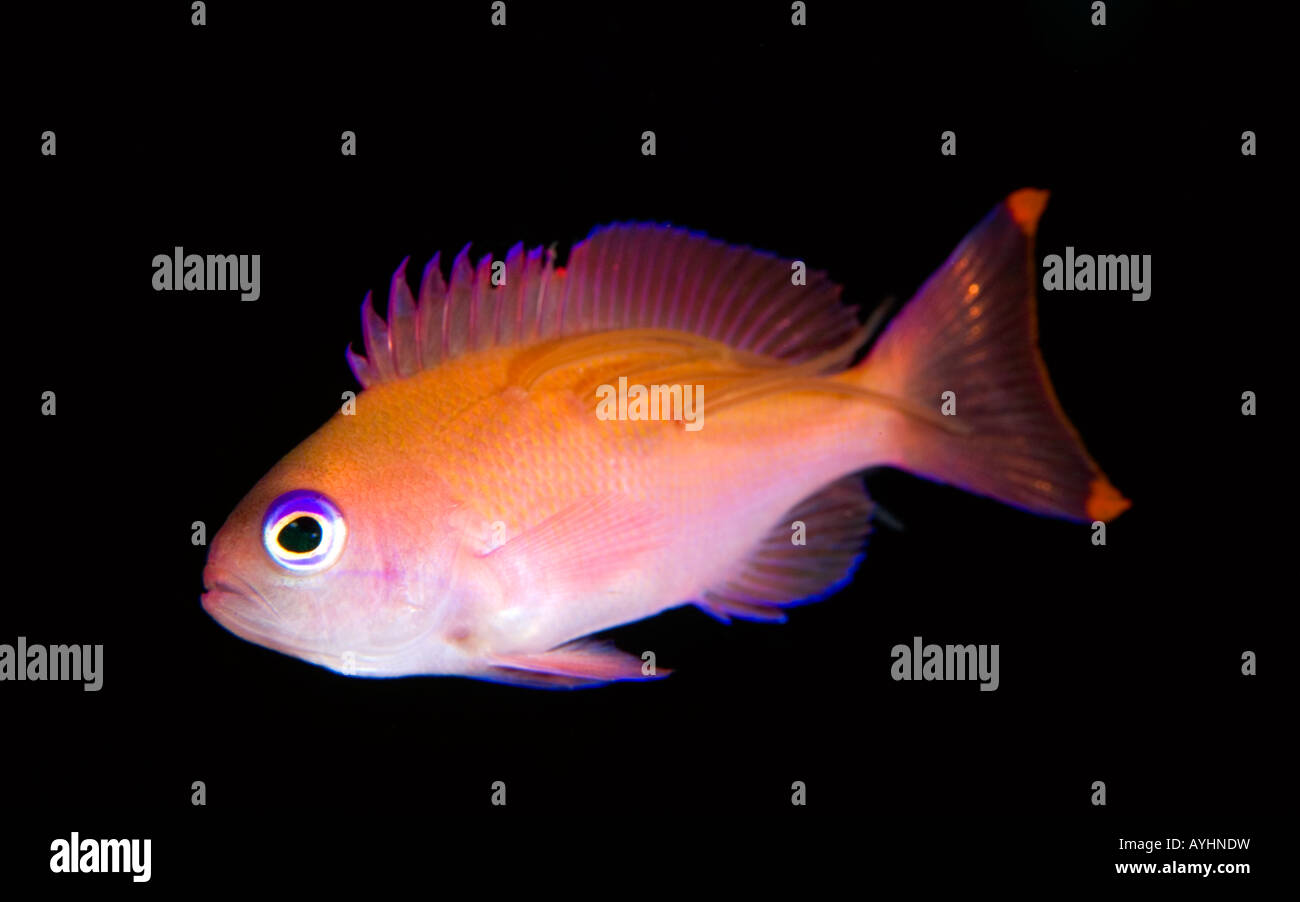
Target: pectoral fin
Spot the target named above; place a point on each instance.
(590, 542)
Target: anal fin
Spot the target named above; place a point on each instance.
(777, 573)
(583, 662)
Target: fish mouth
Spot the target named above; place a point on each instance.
(228, 595)
(244, 611)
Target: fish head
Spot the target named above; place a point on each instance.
(319, 569)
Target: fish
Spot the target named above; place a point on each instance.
(499, 495)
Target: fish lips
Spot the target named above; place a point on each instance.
(244, 611)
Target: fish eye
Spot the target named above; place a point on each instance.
(300, 536)
(304, 531)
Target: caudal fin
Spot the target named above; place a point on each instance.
(972, 330)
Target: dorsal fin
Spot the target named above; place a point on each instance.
(623, 276)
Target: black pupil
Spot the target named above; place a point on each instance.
(300, 536)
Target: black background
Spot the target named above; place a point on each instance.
(1119, 663)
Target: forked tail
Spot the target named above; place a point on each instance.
(972, 330)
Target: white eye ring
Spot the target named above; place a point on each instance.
(297, 505)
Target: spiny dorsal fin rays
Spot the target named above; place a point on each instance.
(360, 367)
(403, 336)
(623, 276)
(481, 317)
(440, 327)
(429, 312)
(460, 294)
(374, 333)
(510, 310)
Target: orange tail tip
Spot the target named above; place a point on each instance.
(1026, 207)
(1105, 502)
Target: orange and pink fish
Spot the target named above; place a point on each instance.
(488, 507)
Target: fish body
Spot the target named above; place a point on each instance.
(489, 505)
